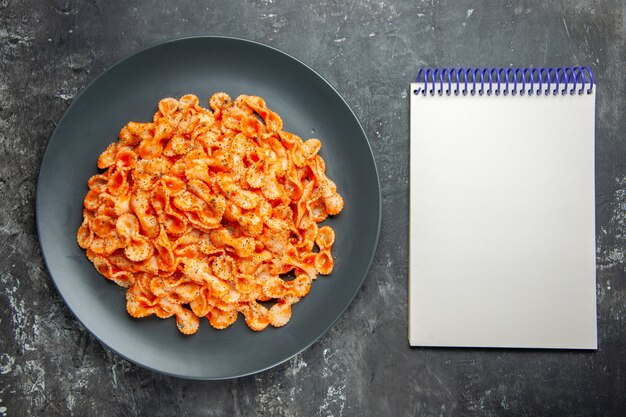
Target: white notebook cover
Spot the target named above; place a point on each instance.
(502, 221)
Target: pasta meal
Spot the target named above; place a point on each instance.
(204, 212)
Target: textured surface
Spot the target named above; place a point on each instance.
(49, 364)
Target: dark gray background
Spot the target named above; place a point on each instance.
(370, 51)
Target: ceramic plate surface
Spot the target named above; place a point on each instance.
(130, 90)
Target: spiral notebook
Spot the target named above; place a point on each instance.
(502, 217)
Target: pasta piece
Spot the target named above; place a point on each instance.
(220, 319)
(325, 237)
(85, 234)
(256, 315)
(324, 262)
(280, 313)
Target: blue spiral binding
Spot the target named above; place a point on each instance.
(537, 81)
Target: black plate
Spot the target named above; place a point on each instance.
(130, 90)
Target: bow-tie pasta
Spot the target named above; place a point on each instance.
(202, 212)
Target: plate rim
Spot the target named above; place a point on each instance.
(38, 208)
